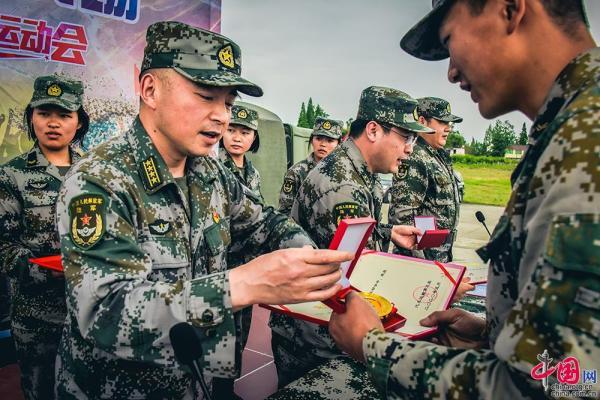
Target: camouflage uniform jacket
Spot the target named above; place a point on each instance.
(29, 187)
(157, 259)
(251, 176)
(426, 186)
(339, 186)
(292, 180)
(544, 281)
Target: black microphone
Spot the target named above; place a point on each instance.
(188, 350)
(481, 218)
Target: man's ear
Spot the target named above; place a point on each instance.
(513, 13)
(422, 120)
(371, 131)
(149, 90)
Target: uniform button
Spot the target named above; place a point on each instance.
(211, 333)
(207, 316)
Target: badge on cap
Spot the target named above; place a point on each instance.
(216, 217)
(54, 90)
(415, 114)
(448, 109)
(242, 114)
(226, 56)
(327, 125)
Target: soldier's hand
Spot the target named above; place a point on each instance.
(288, 276)
(349, 329)
(405, 236)
(457, 328)
(463, 288)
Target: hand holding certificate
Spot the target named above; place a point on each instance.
(414, 287)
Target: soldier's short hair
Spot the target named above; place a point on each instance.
(566, 13)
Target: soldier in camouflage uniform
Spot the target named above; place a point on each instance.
(29, 187)
(236, 142)
(326, 135)
(146, 222)
(241, 137)
(426, 184)
(544, 285)
(345, 185)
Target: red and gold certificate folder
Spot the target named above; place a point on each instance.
(413, 286)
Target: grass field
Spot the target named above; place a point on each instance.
(486, 184)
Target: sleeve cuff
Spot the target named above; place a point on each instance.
(374, 347)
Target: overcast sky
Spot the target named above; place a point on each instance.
(331, 50)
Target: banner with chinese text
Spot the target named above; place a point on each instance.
(100, 42)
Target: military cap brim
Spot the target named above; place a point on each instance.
(422, 40)
(325, 133)
(450, 118)
(222, 79)
(414, 127)
(245, 124)
(60, 102)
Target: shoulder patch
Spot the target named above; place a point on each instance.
(87, 214)
(160, 227)
(345, 210)
(288, 186)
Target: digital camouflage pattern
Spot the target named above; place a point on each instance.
(249, 176)
(422, 40)
(338, 379)
(294, 176)
(160, 260)
(389, 106)
(327, 127)
(202, 56)
(250, 179)
(434, 107)
(57, 90)
(292, 180)
(244, 116)
(29, 187)
(340, 186)
(543, 286)
(426, 185)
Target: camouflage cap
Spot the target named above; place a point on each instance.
(434, 107)
(245, 117)
(330, 128)
(57, 90)
(422, 40)
(389, 106)
(202, 56)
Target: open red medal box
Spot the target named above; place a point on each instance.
(414, 286)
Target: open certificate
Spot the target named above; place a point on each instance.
(416, 287)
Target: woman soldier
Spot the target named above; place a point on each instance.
(29, 184)
(326, 135)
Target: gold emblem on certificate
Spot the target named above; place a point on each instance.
(382, 306)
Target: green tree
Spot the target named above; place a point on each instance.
(455, 140)
(302, 117)
(476, 148)
(310, 113)
(498, 137)
(319, 112)
(523, 137)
